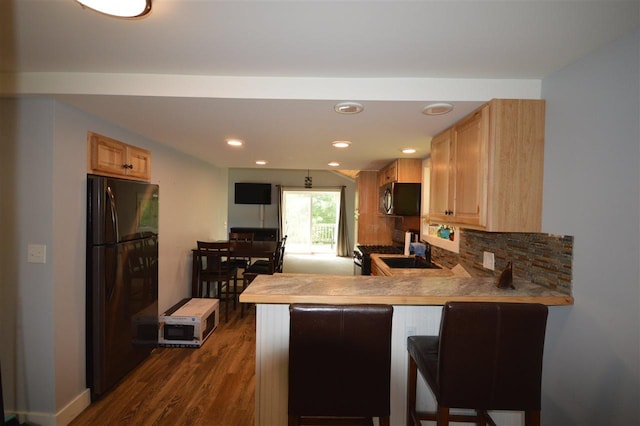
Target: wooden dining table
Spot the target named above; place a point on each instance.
(253, 250)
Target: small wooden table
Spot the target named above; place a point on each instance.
(255, 249)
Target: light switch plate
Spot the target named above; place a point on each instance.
(489, 260)
(36, 253)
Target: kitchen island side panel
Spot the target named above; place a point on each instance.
(272, 357)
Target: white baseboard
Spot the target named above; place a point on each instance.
(62, 417)
(74, 408)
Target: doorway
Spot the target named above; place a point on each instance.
(310, 220)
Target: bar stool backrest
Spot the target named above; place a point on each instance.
(340, 360)
(490, 355)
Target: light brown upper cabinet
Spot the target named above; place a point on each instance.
(406, 170)
(110, 157)
(486, 170)
(442, 178)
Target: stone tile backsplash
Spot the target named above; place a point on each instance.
(543, 259)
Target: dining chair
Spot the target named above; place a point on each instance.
(241, 238)
(215, 265)
(263, 266)
(488, 356)
(280, 264)
(260, 267)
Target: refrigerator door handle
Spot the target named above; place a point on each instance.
(110, 284)
(114, 214)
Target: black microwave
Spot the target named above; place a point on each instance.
(401, 199)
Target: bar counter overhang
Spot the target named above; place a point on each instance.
(417, 302)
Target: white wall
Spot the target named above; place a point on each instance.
(44, 198)
(591, 191)
(249, 215)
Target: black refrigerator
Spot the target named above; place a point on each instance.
(122, 278)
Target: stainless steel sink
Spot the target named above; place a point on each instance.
(408, 262)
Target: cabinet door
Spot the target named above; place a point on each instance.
(388, 174)
(470, 163)
(108, 155)
(139, 163)
(391, 172)
(442, 179)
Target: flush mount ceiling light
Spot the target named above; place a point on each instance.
(409, 151)
(261, 162)
(334, 164)
(437, 108)
(234, 142)
(341, 144)
(348, 108)
(119, 8)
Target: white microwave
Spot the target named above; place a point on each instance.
(188, 323)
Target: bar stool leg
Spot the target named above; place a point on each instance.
(412, 377)
(443, 416)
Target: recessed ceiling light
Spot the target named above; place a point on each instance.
(409, 151)
(234, 142)
(348, 107)
(341, 144)
(334, 164)
(261, 162)
(119, 8)
(437, 108)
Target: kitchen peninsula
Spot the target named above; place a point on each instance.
(417, 302)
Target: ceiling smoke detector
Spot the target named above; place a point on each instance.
(348, 108)
(437, 108)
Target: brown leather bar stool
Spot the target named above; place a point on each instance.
(339, 364)
(488, 356)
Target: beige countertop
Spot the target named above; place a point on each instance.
(393, 290)
(384, 269)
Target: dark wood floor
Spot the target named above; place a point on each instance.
(212, 385)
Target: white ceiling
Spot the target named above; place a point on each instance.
(196, 72)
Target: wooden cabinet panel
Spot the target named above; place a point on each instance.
(407, 170)
(515, 165)
(371, 227)
(486, 170)
(110, 157)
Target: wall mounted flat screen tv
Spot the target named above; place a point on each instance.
(253, 193)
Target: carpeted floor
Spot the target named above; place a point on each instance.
(317, 264)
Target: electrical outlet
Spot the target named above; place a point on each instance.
(410, 330)
(36, 253)
(489, 260)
